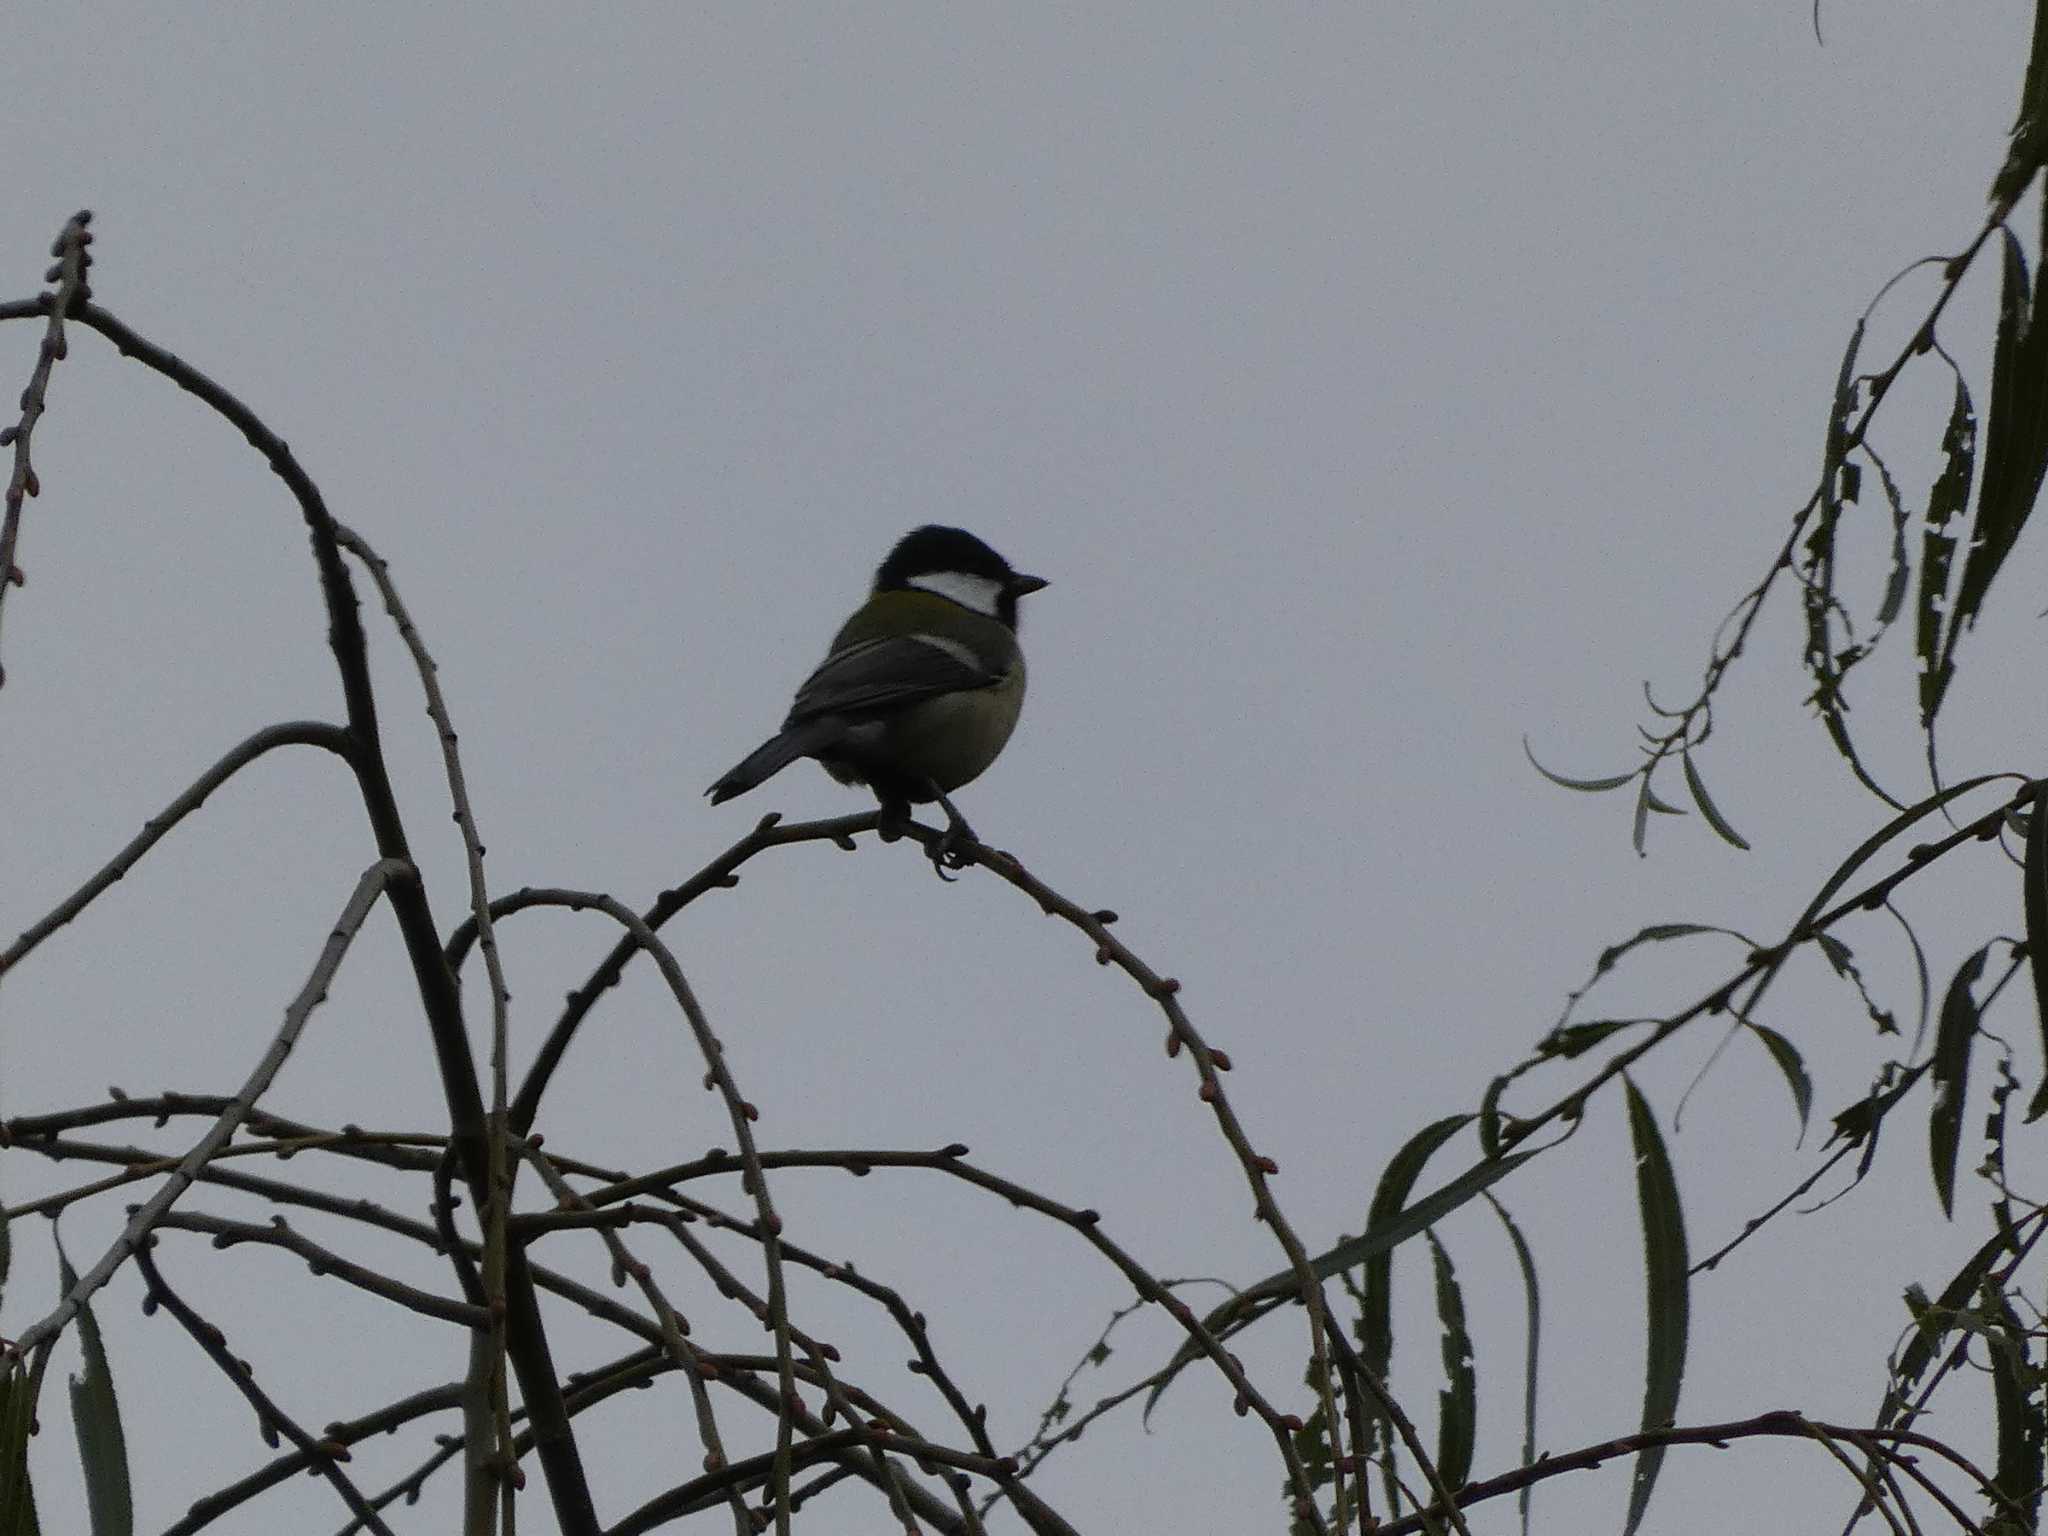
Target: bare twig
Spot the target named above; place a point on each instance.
(69, 277)
(672, 1328)
(497, 1156)
(312, 733)
(720, 874)
(325, 1261)
(1779, 1424)
(321, 1458)
(373, 884)
(741, 1115)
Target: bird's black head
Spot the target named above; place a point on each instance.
(955, 564)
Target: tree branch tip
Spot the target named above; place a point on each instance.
(767, 823)
(1172, 1044)
(954, 1149)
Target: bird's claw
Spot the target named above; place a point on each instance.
(947, 851)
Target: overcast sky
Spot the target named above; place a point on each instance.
(1374, 384)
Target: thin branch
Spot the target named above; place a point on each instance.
(366, 1146)
(951, 1162)
(69, 276)
(324, 1261)
(720, 874)
(741, 1114)
(273, 1419)
(1258, 1170)
(1782, 1423)
(672, 1328)
(311, 733)
(440, 1000)
(392, 1416)
(497, 1158)
(376, 880)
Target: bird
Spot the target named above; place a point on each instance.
(920, 689)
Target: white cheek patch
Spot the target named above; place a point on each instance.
(977, 592)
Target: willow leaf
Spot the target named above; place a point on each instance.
(1532, 1301)
(1458, 1404)
(1667, 1292)
(1708, 809)
(2034, 880)
(1953, 1037)
(1934, 638)
(1789, 1062)
(96, 1416)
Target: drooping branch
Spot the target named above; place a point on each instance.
(71, 290)
(376, 880)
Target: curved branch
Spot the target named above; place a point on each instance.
(720, 873)
(440, 999)
(309, 733)
(69, 275)
(376, 880)
(1780, 1423)
(320, 1457)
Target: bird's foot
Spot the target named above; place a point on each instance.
(895, 820)
(950, 849)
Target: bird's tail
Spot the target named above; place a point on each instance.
(774, 755)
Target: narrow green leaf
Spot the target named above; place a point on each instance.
(1532, 1302)
(2020, 1427)
(1375, 1321)
(1708, 809)
(1640, 829)
(2015, 444)
(1457, 1424)
(17, 1419)
(1862, 1119)
(1869, 847)
(1586, 786)
(1666, 1289)
(2034, 889)
(1282, 1287)
(1659, 933)
(1934, 1321)
(1569, 1040)
(96, 1416)
(1953, 1037)
(1935, 635)
(1844, 404)
(1792, 1065)
(1900, 578)
(1426, 1212)
(1658, 803)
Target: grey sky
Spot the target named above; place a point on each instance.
(1374, 384)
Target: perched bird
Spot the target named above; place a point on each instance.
(920, 690)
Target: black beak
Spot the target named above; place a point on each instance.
(1024, 586)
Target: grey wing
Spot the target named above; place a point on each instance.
(883, 674)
